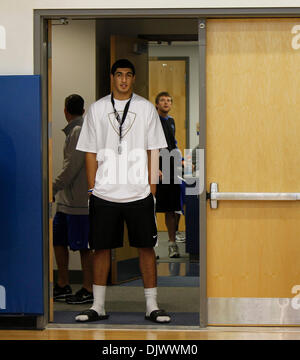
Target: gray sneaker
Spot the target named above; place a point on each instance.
(180, 237)
(173, 251)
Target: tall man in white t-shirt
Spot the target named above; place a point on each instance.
(121, 136)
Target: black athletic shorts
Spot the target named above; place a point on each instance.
(168, 198)
(107, 223)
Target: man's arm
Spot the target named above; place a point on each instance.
(73, 162)
(91, 166)
(153, 169)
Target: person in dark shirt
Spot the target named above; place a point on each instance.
(168, 194)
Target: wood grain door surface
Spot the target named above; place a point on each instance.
(253, 132)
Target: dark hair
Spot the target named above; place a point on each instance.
(122, 63)
(163, 93)
(74, 104)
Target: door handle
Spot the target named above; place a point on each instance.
(215, 195)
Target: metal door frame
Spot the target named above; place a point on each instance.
(40, 68)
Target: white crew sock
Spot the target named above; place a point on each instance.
(99, 299)
(151, 304)
(98, 304)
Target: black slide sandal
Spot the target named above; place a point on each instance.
(155, 314)
(92, 316)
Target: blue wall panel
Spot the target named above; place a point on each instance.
(21, 246)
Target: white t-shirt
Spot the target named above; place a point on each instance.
(121, 177)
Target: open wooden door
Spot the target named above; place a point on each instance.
(125, 261)
(253, 132)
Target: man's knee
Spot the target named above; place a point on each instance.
(102, 252)
(146, 251)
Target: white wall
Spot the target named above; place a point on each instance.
(73, 72)
(191, 51)
(17, 18)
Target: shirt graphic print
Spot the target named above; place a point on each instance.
(127, 125)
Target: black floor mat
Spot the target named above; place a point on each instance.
(130, 318)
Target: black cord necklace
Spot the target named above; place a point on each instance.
(120, 121)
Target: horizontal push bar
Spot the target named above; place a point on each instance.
(215, 195)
